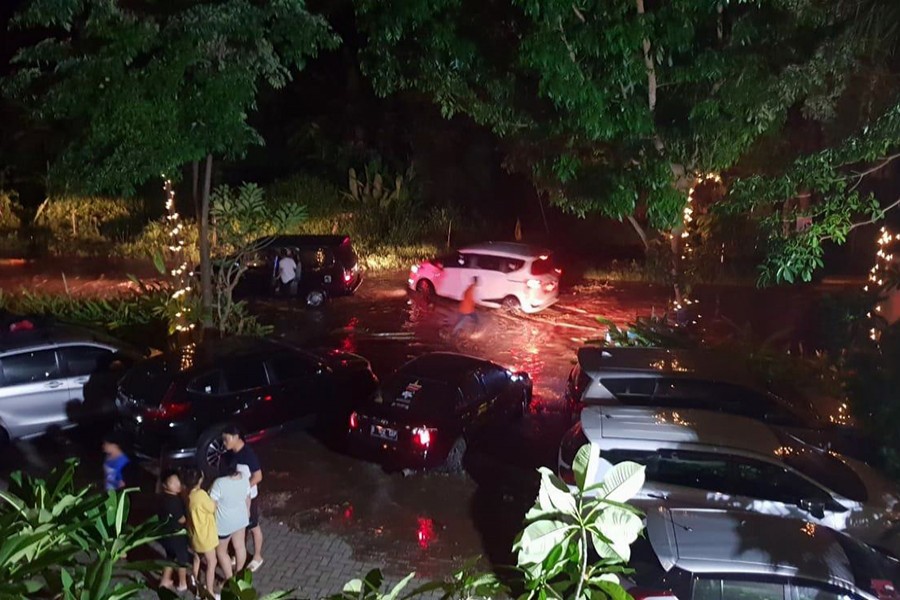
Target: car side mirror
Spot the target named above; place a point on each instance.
(814, 507)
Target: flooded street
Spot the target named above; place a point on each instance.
(431, 522)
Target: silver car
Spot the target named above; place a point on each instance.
(43, 373)
(723, 555)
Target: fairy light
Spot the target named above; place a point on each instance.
(879, 271)
(179, 297)
(687, 219)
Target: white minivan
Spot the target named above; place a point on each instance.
(510, 275)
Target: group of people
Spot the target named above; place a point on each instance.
(206, 525)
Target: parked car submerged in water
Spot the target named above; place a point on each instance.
(328, 267)
(510, 275)
(175, 405)
(427, 413)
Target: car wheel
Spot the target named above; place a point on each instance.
(4, 438)
(210, 451)
(454, 461)
(425, 287)
(511, 304)
(315, 298)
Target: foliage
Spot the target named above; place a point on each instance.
(10, 211)
(91, 219)
(386, 257)
(67, 541)
(155, 235)
(143, 89)
(244, 222)
(617, 108)
(648, 332)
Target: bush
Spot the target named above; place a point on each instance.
(155, 236)
(90, 224)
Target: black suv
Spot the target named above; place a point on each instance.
(430, 409)
(175, 405)
(328, 264)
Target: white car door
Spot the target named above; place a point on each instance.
(492, 285)
(79, 363)
(33, 396)
(456, 276)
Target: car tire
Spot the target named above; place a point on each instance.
(426, 288)
(315, 298)
(4, 438)
(210, 451)
(454, 461)
(511, 304)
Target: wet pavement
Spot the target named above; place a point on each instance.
(430, 523)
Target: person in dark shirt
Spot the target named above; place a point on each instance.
(172, 513)
(245, 458)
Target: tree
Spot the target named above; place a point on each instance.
(140, 89)
(614, 104)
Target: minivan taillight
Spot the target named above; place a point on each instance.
(533, 284)
(354, 420)
(170, 407)
(423, 436)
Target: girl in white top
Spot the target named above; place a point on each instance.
(231, 493)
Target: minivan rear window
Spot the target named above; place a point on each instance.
(543, 265)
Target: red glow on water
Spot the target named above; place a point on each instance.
(348, 343)
(348, 512)
(425, 532)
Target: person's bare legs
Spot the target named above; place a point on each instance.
(239, 540)
(196, 570)
(257, 535)
(166, 580)
(224, 558)
(210, 557)
(182, 579)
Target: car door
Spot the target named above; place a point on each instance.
(296, 385)
(475, 405)
(496, 386)
(79, 363)
(455, 276)
(33, 396)
(492, 284)
(259, 274)
(234, 392)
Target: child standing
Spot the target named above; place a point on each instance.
(231, 492)
(172, 513)
(115, 462)
(202, 527)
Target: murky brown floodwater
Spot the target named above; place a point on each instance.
(426, 522)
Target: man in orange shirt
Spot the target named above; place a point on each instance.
(467, 307)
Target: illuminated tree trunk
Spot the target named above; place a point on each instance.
(206, 288)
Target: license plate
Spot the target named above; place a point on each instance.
(385, 433)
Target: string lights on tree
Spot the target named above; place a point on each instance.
(684, 249)
(879, 272)
(180, 298)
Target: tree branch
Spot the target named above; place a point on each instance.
(861, 174)
(874, 219)
(648, 62)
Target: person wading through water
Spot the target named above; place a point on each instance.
(467, 307)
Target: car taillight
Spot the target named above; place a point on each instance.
(169, 408)
(549, 287)
(533, 284)
(414, 269)
(648, 594)
(347, 276)
(422, 436)
(354, 420)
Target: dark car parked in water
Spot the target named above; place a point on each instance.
(328, 265)
(175, 405)
(428, 411)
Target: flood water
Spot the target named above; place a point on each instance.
(430, 522)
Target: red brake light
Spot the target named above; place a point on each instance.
(169, 408)
(533, 284)
(354, 420)
(347, 276)
(422, 436)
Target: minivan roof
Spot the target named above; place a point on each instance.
(687, 426)
(722, 541)
(515, 249)
(55, 333)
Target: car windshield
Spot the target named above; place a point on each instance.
(872, 570)
(417, 397)
(823, 467)
(543, 265)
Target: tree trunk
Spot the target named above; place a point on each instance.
(206, 288)
(640, 231)
(195, 178)
(648, 63)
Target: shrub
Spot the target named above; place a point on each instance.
(156, 236)
(90, 221)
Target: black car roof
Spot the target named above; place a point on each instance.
(304, 240)
(211, 353)
(442, 366)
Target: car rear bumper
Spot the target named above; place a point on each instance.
(536, 305)
(393, 455)
(177, 442)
